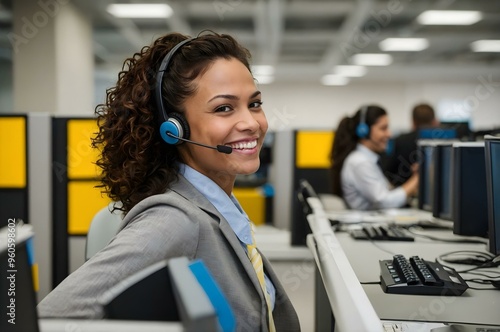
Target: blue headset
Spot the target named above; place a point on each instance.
(171, 122)
(362, 129)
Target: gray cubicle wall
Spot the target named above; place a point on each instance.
(298, 154)
(280, 175)
(40, 198)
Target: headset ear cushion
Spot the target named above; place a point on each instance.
(362, 130)
(177, 125)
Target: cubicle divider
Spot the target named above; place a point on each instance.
(75, 196)
(312, 162)
(13, 168)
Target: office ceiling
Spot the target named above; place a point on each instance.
(306, 39)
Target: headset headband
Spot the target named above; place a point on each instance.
(159, 78)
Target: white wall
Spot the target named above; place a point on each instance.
(290, 106)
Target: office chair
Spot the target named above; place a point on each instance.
(300, 228)
(102, 228)
(306, 191)
(332, 202)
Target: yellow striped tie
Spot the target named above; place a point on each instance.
(256, 260)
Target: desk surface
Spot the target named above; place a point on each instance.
(474, 306)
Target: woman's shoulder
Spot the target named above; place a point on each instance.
(169, 203)
(355, 157)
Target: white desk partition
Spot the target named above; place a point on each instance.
(351, 307)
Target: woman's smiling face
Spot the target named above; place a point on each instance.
(226, 109)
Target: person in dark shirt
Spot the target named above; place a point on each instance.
(403, 158)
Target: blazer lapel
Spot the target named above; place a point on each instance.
(185, 189)
(228, 232)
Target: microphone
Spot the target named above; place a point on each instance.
(221, 148)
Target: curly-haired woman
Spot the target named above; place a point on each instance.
(177, 197)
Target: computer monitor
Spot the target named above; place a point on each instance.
(426, 150)
(18, 297)
(441, 170)
(461, 128)
(437, 133)
(468, 187)
(492, 159)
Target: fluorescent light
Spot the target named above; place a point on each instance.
(263, 70)
(264, 79)
(334, 80)
(485, 45)
(403, 44)
(136, 10)
(449, 17)
(369, 59)
(350, 71)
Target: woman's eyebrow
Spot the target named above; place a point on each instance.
(233, 97)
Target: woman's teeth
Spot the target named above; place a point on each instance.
(245, 145)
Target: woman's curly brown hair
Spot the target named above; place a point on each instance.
(135, 161)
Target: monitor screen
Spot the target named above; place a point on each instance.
(437, 133)
(442, 180)
(17, 285)
(492, 156)
(469, 199)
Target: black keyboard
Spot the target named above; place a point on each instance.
(382, 233)
(417, 276)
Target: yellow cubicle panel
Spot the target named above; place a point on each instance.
(314, 149)
(253, 202)
(84, 201)
(12, 152)
(81, 155)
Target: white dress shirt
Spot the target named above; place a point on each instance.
(364, 186)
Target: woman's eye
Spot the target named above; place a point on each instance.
(223, 108)
(256, 104)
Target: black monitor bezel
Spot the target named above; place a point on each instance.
(494, 242)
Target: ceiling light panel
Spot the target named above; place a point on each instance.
(485, 45)
(403, 44)
(371, 59)
(449, 17)
(136, 10)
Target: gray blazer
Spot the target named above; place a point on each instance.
(180, 222)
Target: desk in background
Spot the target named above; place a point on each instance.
(477, 307)
(474, 306)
